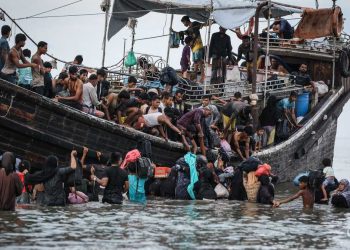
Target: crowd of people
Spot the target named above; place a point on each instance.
(133, 176)
(227, 126)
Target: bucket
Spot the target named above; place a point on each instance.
(302, 104)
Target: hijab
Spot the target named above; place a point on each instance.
(346, 191)
(8, 162)
(49, 171)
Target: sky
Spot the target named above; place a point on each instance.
(70, 36)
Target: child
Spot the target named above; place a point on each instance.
(305, 191)
(258, 138)
(23, 168)
(330, 178)
(25, 74)
(136, 185)
(48, 86)
(186, 57)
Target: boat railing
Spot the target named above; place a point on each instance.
(279, 87)
(322, 46)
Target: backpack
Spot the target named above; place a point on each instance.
(168, 76)
(316, 178)
(144, 168)
(145, 148)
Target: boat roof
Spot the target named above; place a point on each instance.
(229, 14)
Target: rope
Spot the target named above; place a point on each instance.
(8, 110)
(102, 13)
(151, 37)
(60, 7)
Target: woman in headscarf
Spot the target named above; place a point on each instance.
(53, 178)
(10, 184)
(341, 197)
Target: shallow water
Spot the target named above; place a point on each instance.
(177, 224)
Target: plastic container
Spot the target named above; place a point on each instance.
(161, 172)
(302, 104)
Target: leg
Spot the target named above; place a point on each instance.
(201, 67)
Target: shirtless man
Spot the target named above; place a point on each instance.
(38, 73)
(305, 192)
(75, 87)
(12, 63)
(240, 138)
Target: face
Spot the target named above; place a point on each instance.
(246, 42)
(293, 98)
(274, 63)
(222, 30)
(131, 84)
(100, 78)
(205, 102)
(94, 82)
(73, 76)
(303, 68)
(341, 186)
(178, 97)
(22, 43)
(260, 132)
(186, 23)
(43, 50)
(47, 70)
(83, 77)
(168, 102)
(302, 185)
(207, 112)
(155, 103)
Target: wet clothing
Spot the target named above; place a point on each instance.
(183, 180)
(266, 191)
(137, 189)
(167, 186)
(4, 48)
(113, 192)
(10, 183)
(207, 183)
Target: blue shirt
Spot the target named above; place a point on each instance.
(285, 103)
(25, 76)
(4, 45)
(140, 195)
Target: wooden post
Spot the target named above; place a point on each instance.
(107, 6)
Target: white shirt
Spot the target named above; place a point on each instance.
(90, 95)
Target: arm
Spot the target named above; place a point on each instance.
(325, 196)
(37, 61)
(103, 182)
(289, 199)
(83, 157)
(18, 185)
(93, 97)
(15, 59)
(236, 144)
(162, 133)
(77, 95)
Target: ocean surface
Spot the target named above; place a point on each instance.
(186, 224)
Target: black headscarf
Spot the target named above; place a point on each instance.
(50, 169)
(8, 162)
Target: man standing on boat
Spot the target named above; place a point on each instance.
(246, 50)
(4, 45)
(12, 63)
(220, 49)
(38, 73)
(193, 30)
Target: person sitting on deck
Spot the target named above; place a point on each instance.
(8, 72)
(11, 185)
(301, 76)
(282, 28)
(75, 90)
(60, 84)
(25, 74)
(121, 108)
(167, 101)
(190, 123)
(287, 107)
(305, 192)
(115, 181)
(103, 85)
(83, 75)
(131, 87)
(90, 101)
(277, 67)
(38, 74)
(220, 51)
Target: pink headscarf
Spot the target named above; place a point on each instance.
(131, 156)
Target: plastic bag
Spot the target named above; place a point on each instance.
(233, 75)
(221, 191)
(130, 59)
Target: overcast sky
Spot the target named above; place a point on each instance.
(70, 36)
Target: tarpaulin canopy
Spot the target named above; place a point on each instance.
(229, 14)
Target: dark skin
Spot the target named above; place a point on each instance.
(241, 137)
(304, 192)
(14, 58)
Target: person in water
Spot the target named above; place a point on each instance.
(136, 184)
(53, 177)
(305, 192)
(115, 181)
(341, 196)
(10, 183)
